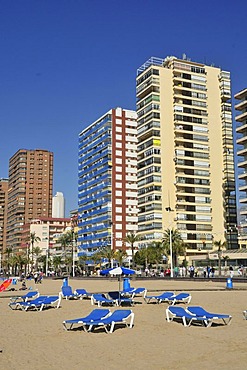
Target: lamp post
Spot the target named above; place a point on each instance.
(112, 242)
(220, 252)
(73, 254)
(168, 209)
(47, 256)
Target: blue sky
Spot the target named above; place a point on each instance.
(64, 63)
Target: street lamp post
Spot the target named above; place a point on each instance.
(73, 255)
(47, 256)
(168, 209)
(112, 242)
(220, 252)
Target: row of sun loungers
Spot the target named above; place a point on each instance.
(102, 318)
(39, 303)
(169, 297)
(195, 314)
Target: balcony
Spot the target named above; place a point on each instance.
(242, 152)
(241, 95)
(241, 117)
(242, 105)
(241, 128)
(242, 140)
(243, 163)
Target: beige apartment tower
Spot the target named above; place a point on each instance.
(30, 191)
(185, 153)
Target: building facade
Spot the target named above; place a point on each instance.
(30, 191)
(58, 205)
(47, 230)
(3, 217)
(185, 153)
(107, 191)
(241, 129)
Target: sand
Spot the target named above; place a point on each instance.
(37, 340)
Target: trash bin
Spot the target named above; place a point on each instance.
(229, 283)
(126, 283)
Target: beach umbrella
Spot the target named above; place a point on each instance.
(118, 271)
(5, 284)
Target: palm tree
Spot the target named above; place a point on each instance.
(33, 239)
(155, 252)
(220, 245)
(178, 245)
(57, 261)
(37, 253)
(20, 261)
(8, 252)
(107, 253)
(12, 263)
(82, 261)
(120, 254)
(131, 239)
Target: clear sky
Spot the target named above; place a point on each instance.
(64, 63)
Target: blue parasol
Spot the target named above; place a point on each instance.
(117, 271)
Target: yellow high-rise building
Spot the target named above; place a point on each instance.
(185, 153)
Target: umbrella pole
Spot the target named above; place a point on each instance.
(119, 278)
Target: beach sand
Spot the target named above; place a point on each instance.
(37, 340)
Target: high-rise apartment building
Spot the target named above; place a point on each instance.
(3, 215)
(30, 191)
(241, 129)
(58, 205)
(107, 181)
(185, 153)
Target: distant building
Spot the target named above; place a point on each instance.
(107, 181)
(30, 191)
(48, 229)
(58, 205)
(241, 119)
(186, 176)
(3, 216)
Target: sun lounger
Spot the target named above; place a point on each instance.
(24, 298)
(199, 311)
(121, 300)
(117, 317)
(132, 292)
(31, 304)
(101, 299)
(82, 293)
(40, 303)
(67, 293)
(164, 297)
(51, 301)
(95, 315)
(179, 313)
(180, 298)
